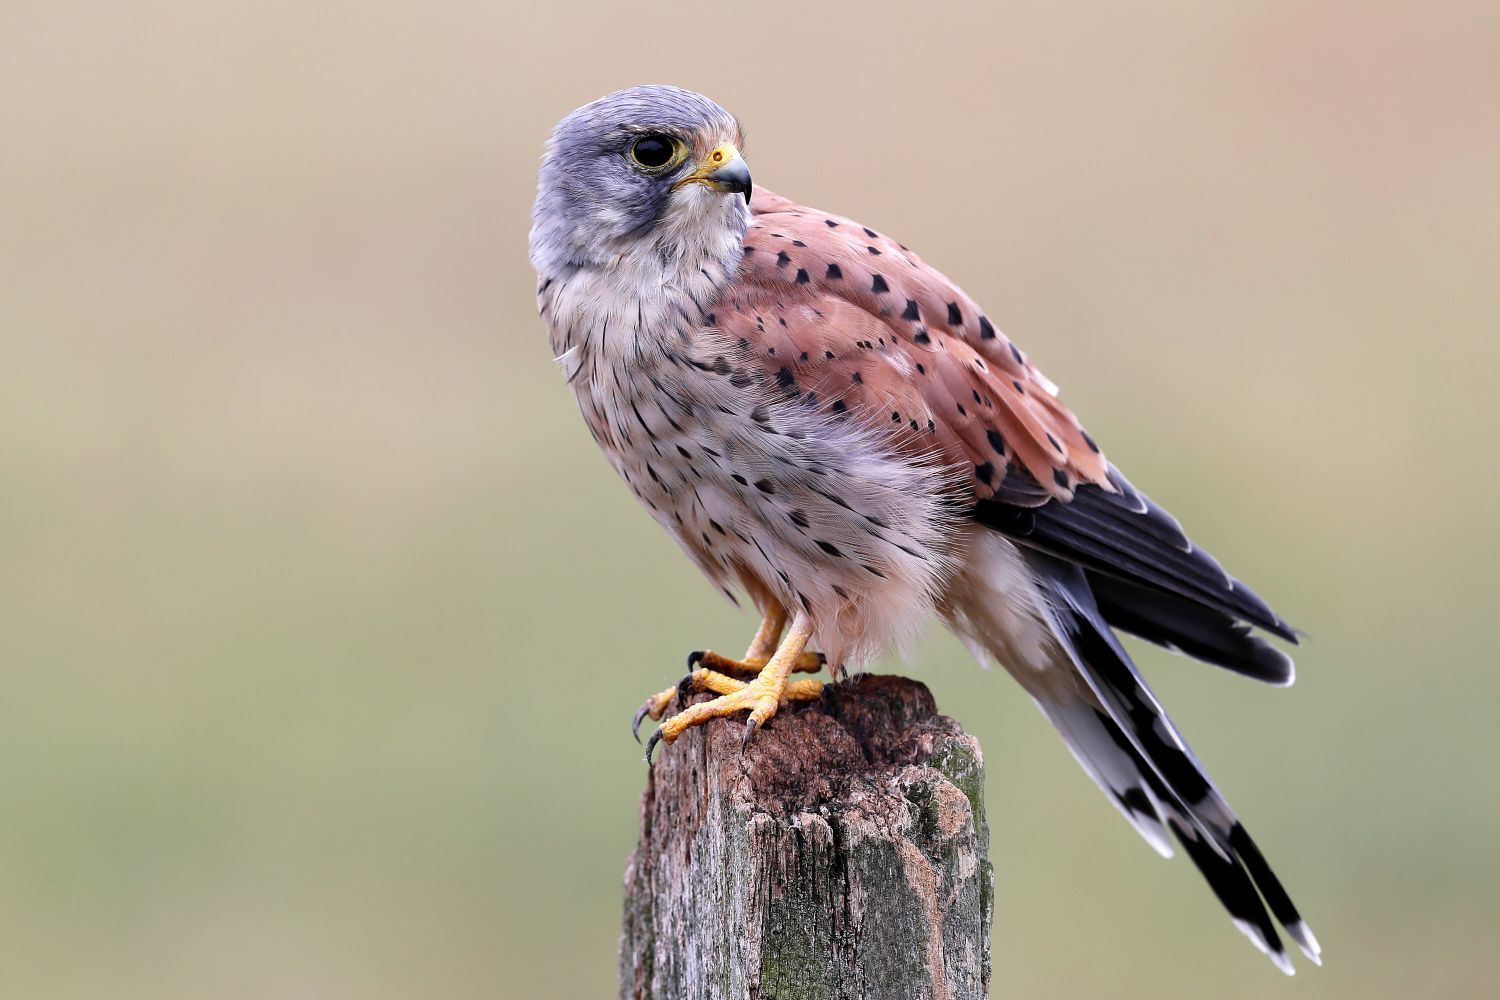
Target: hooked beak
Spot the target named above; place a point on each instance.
(722, 170)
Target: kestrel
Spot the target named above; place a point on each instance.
(831, 427)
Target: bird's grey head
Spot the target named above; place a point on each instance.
(654, 166)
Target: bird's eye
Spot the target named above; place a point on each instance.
(654, 151)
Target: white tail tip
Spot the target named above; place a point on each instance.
(1303, 935)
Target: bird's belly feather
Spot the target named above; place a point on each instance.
(781, 499)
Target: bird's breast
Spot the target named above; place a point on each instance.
(761, 491)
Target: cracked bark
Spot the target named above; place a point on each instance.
(843, 855)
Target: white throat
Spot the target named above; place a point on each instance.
(656, 289)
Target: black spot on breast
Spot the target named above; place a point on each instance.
(1053, 441)
(838, 406)
(1015, 352)
(871, 233)
(798, 518)
(765, 486)
(785, 378)
(828, 355)
(783, 259)
(986, 328)
(830, 548)
(996, 441)
(739, 479)
(830, 224)
(1019, 387)
(911, 314)
(985, 472)
(1090, 442)
(921, 369)
(921, 336)
(798, 243)
(895, 416)
(802, 279)
(858, 379)
(1060, 478)
(835, 498)
(874, 251)
(878, 286)
(684, 452)
(961, 411)
(955, 315)
(835, 273)
(914, 425)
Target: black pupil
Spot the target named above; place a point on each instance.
(653, 151)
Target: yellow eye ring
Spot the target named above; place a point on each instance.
(655, 152)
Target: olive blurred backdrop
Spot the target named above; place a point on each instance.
(321, 619)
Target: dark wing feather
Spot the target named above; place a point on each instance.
(1189, 628)
(1124, 536)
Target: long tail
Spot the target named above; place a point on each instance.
(1130, 747)
(1116, 729)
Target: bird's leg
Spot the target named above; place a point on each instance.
(768, 635)
(710, 671)
(761, 696)
(758, 655)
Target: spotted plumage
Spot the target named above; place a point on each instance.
(831, 427)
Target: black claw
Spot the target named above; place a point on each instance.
(750, 727)
(685, 689)
(651, 745)
(822, 660)
(694, 658)
(635, 723)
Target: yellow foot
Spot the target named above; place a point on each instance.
(708, 671)
(761, 697)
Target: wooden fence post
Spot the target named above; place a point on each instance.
(842, 856)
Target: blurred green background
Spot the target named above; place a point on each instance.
(321, 619)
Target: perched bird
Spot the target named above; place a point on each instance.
(828, 425)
